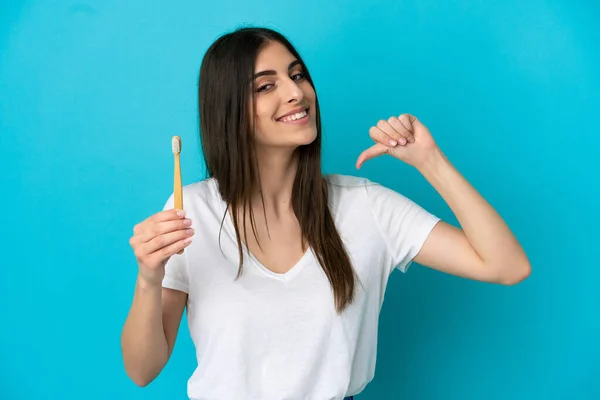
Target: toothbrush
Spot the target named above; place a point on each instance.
(177, 190)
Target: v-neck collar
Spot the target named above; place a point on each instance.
(284, 277)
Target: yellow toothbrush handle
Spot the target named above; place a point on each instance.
(178, 190)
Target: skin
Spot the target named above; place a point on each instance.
(483, 248)
(281, 88)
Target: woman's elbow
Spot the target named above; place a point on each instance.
(517, 275)
(140, 379)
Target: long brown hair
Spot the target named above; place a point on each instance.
(227, 136)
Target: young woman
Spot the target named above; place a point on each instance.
(284, 269)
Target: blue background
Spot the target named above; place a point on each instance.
(91, 93)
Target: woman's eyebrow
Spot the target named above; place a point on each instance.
(272, 72)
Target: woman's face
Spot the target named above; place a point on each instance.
(285, 100)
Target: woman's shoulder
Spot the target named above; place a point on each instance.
(339, 181)
(204, 192)
(347, 189)
(205, 188)
(354, 187)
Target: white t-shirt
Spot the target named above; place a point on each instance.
(277, 336)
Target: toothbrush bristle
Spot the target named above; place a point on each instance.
(176, 144)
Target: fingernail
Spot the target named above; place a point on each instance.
(187, 222)
(392, 142)
(181, 213)
(402, 141)
(187, 241)
(189, 231)
(411, 139)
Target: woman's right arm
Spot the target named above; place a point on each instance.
(150, 330)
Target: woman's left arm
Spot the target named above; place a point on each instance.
(484, 249)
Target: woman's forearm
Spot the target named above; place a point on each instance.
(485, 230)
(143, 341)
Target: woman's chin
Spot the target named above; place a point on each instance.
(291, 140)
(307, 139)
(303, 138)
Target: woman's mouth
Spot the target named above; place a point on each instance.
(298, 118)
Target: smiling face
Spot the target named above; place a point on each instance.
(285, 100)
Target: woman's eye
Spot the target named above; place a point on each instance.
(268, 86)
(264, 88)
(299, 76)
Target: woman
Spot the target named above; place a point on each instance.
(284, 270)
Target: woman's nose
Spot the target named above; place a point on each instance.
(294, 93)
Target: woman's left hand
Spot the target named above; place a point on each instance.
(404, 138)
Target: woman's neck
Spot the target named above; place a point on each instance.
(277, 174)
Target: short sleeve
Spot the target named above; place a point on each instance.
(176, 273)
(403, 224)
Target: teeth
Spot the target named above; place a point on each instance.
(294, 117)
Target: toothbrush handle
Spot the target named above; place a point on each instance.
(177, 190)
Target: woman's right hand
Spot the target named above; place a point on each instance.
(156, 239)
